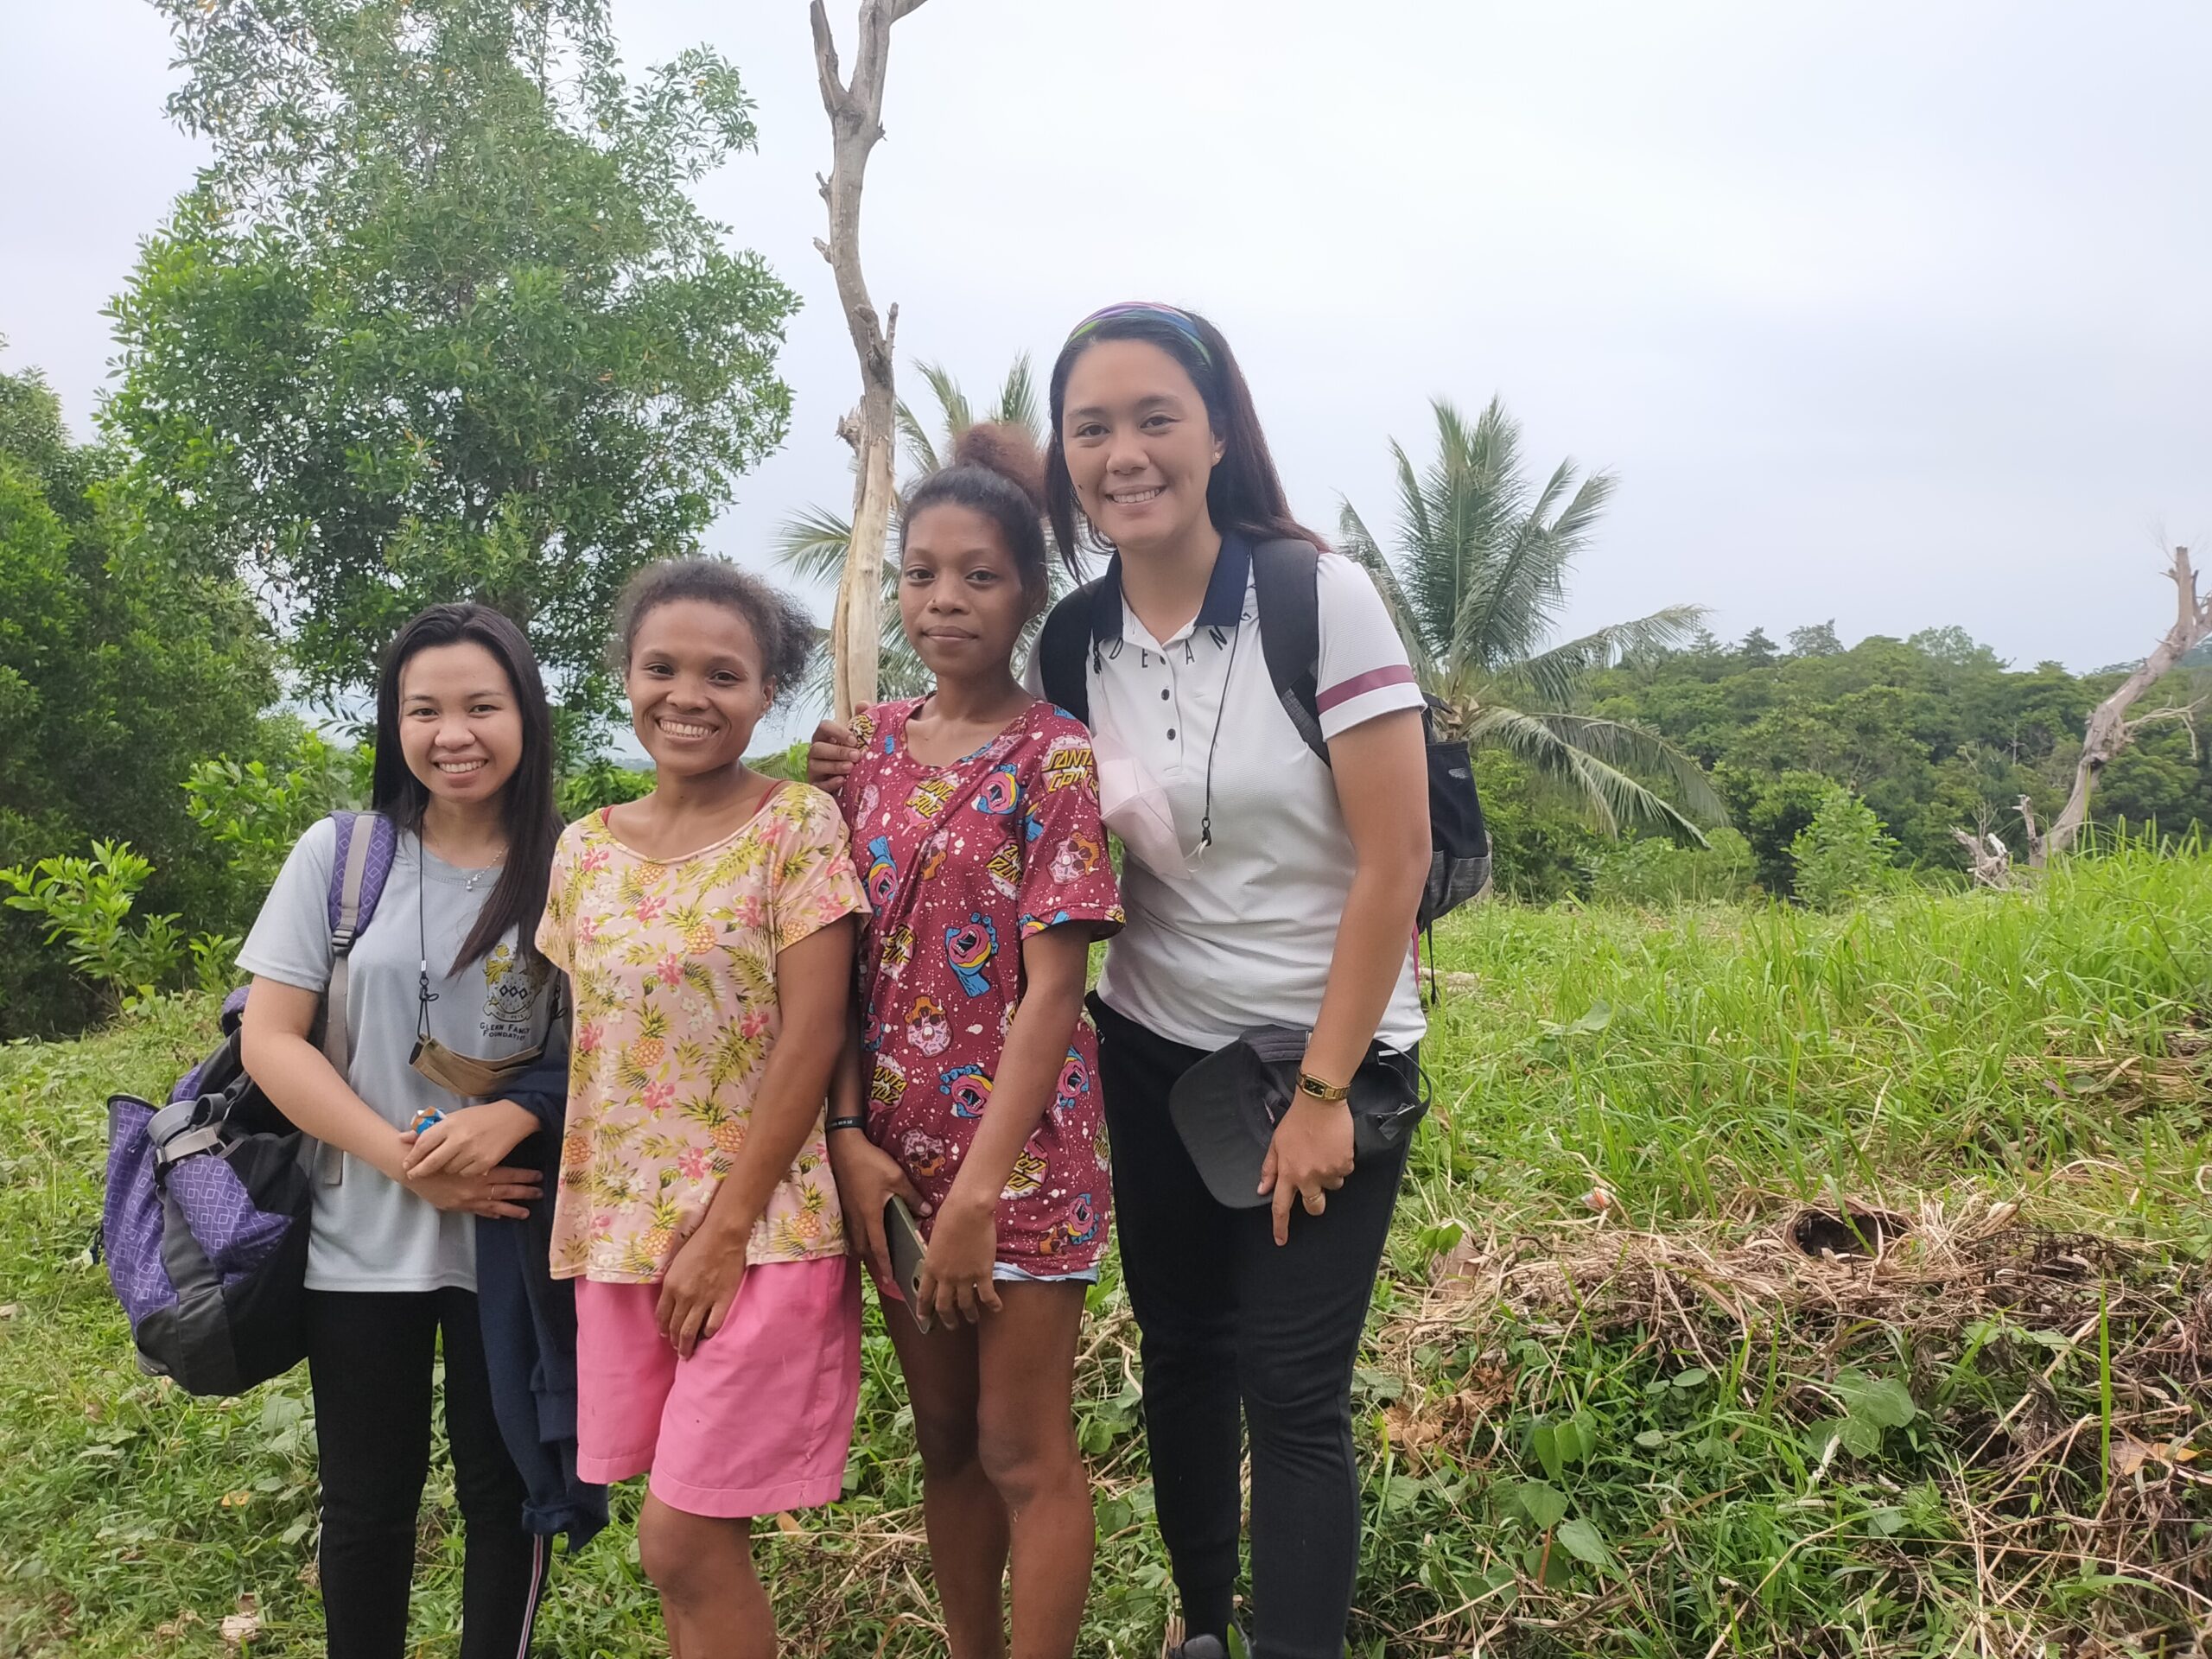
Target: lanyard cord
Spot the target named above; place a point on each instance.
(423, 994)
(1228, 677)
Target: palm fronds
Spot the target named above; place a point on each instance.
(1615, 800)
(1357, 543)
(1017, 404)
(811, 544)
(1478, 585)
(1557, 676)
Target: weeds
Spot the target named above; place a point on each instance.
(1766, 1283)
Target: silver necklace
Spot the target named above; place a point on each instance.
(475, 875)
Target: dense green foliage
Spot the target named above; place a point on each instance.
(119, 668)
(439, 319)
(1640, 1432)
(1932, 732)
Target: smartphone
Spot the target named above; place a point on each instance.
(904, 1234)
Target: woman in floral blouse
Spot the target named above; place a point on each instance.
(704, 929)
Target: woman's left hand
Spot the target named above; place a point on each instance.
(469, 1140)
(956, 1267)
(1307, 1159)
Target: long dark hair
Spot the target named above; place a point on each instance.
(997, 472)
(1244, 493)
(525, 805)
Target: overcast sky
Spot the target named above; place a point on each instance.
(1892, 313)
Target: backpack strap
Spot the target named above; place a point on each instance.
(178, 1131)
(367, 842)
(1286, 580)
(1062, 645)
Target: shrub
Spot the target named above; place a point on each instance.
(1651, 870)
(1843, 853)
(87, 904)
(784, 763)
(600, 783)
(256, 810)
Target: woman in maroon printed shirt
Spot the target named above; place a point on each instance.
(970, 1085)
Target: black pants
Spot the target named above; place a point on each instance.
(1229, 1319)
(370, 1356)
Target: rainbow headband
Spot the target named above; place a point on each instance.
(1181, 321)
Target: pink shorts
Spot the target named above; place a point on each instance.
(759, 1420)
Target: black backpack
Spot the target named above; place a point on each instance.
(1284, 579)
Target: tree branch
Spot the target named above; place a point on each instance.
(834, 96)
(2108, 728)
(1988, 859)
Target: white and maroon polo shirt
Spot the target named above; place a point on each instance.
(1240, 932)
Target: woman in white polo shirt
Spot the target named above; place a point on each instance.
(1263, 886)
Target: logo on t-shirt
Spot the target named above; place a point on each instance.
(511, 995)
(1067, 763)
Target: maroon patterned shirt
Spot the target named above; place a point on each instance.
(961, 863)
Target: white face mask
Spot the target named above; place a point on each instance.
(1136, 808)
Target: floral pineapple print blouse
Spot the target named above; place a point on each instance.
(673, 965)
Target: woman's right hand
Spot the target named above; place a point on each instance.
(499, 1193)
(868, 1177)
(829, 758)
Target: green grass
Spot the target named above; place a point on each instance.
(1648, 1428)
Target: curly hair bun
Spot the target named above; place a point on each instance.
(1002, 448)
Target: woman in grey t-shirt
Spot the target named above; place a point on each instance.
(464, 771)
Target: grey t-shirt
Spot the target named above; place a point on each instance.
(371, 1233)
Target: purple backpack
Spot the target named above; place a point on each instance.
(209, 1198)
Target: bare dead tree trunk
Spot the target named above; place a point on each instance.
(2034, 836)
(1989, 859)
(856, 123)
(2109, 729)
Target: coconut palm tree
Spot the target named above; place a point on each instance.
(812, 542)
(1477, 583)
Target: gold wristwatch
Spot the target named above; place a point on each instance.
(1333, 1094)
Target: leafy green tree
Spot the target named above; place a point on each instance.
(439, 319)
(1542, 847)
(1771, 811)
(2164, 777)
(1817, 640)
(85, 905)
(118, 668)
(1477, 582)
(256, 808)
(1843, 854)
(1757, 650)
(601, 783)
(811, 544)
(1652, 870)
(1954, 645)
